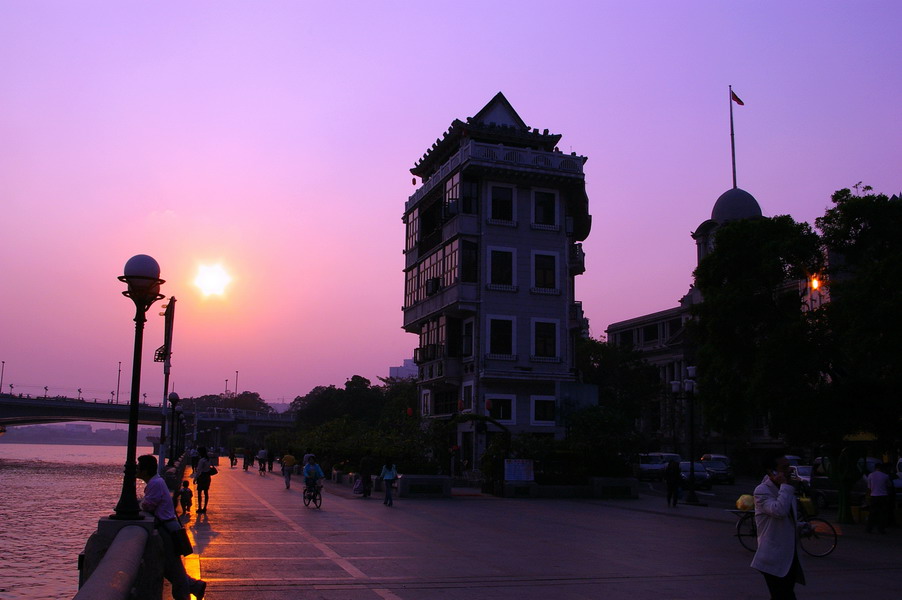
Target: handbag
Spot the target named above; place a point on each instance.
(180, 542)
(212, 471)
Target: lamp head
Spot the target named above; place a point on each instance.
(173, 399)
(142, 275)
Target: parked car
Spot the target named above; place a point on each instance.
(719, 471)
(702, 479)
(825, 493)
(794, 460)
(667, 456)
(803, 472)
(717, 457)
(649, 466)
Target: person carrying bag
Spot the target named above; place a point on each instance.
(158, 501)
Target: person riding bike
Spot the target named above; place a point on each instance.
(312, 473)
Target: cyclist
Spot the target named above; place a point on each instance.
(312, 473)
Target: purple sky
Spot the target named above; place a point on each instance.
(276, 138)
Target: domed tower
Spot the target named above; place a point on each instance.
(732, 205)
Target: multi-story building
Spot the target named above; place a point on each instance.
(492, 249)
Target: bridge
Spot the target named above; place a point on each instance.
(16, 410)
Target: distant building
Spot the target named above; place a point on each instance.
(661, 338)
(491, 252)
(407, 371)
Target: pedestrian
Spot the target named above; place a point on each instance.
(261, 461)
(248, 458)
(185, 496)
(202, 478)
(673, 478)
(878, 506)
(270, 459)
(777, 557)
(158, 502)
(366, 476)
(195, 457)
(288, 463)
(232, 459)
(388, 475)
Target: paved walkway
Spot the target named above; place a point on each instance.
(258, 542)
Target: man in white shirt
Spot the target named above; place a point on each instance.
(777, 557)
(878, 489)
(158, 501)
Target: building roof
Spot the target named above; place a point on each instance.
(496, 122)
(735, 204)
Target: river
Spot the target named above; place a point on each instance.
(51, 497)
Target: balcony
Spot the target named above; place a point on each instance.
(497, 155)
(577, 260)
(464, 295)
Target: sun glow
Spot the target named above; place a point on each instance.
(212, 280)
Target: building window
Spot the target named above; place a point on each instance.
(470, 197)
(501, 408)
(501, 336)
(501, 268)
(544, 209)
(650, 333)
(544, 339)
(502, 208)
(544, 271)
(469, 262)
(426, 403)
(543, 410)
(466, 397)
(466, 339)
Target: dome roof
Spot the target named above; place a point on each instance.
(735, 204)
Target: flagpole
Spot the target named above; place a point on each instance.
(732, 137)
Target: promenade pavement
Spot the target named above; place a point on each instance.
(258, 542)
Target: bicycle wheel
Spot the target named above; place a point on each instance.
(317, 499)
(747, 532)
(306, 497)
(818, 537)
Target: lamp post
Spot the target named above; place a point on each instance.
(118, 377)
(3, 372)
(142, 275)
(173, 402)
(179, 432)
(686, 389)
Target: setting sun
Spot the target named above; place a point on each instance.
(212, 280)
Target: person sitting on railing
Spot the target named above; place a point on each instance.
(158, 501)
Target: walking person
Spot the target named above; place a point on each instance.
(366, 476)
(232, 460)
(288, 463)
(158, 502)
(261, 461)
(777, 557)
(388, 475)
(879, 485)
(673, 478)
(185, 496)
(202, 478)
(270, 459)
(248, 459)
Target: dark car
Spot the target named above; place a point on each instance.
(720, 472)
(702, 479)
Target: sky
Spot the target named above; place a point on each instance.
(276, 138)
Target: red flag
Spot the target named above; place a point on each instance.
(736, 98)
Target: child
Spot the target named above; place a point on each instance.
(185, 496)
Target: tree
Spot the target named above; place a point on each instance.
(627, 386)
(862, 233)
(758, 352)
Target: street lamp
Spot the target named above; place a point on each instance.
(142, 275)
(686, 389)
(173, 402)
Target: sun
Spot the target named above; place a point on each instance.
(212, 280)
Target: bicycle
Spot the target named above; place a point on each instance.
(313, 494)
(817, 537)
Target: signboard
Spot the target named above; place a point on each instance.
(518, 469)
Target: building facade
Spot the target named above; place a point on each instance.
(492, 248)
